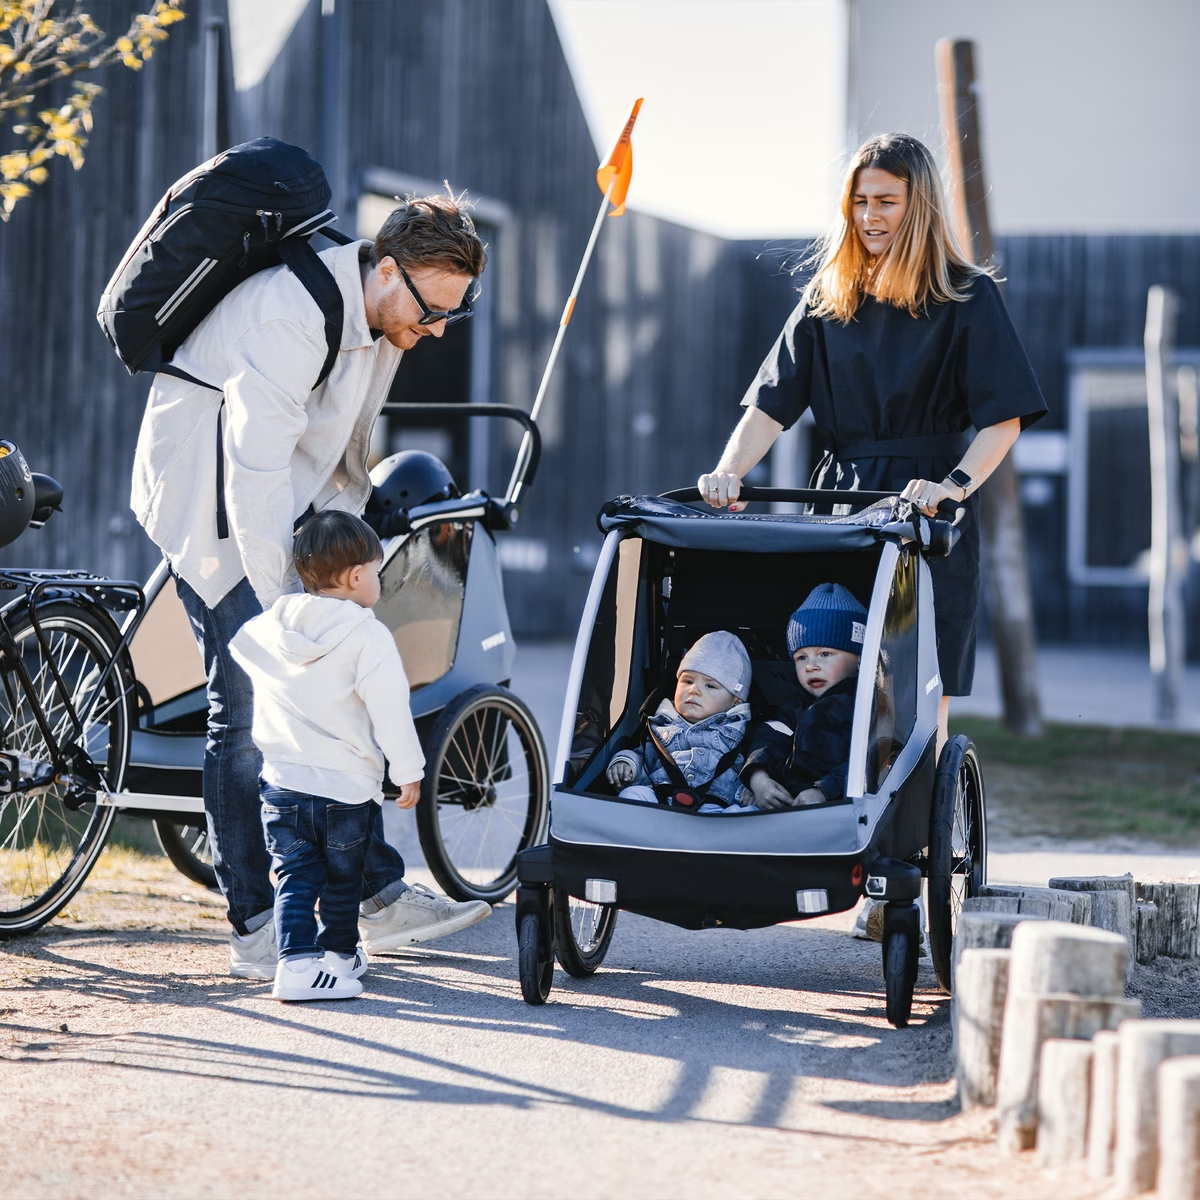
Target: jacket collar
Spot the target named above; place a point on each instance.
(841, 688)
(343, 262)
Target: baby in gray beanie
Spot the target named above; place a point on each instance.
(700, 732)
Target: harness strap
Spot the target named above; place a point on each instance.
(679, 781)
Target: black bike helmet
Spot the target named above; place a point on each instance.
(16, 493)
(406, 480)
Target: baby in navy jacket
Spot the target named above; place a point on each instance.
(799, 757)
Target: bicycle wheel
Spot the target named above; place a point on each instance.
(583, 932)
(485, 794)
(48, 840)
(957, 847)
(187, 847)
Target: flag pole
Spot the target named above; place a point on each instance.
(513, 494)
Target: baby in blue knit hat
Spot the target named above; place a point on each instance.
(690, 757)
(799, 757)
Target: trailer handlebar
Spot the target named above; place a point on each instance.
(527, 461)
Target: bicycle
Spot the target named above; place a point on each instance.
(67, 710)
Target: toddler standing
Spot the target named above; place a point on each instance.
(330, 702)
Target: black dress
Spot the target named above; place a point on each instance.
(893, 396)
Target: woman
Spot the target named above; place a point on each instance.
(898, 346)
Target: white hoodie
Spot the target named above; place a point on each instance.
(330, 699)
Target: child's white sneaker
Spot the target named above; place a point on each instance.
(349, 966)
(310, 978)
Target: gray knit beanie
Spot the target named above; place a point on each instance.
(829, 617)
(721, 656)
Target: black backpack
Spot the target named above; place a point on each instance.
(251, 207)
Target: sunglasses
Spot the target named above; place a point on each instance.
(431, 316)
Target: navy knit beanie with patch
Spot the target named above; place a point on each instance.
(829, 617)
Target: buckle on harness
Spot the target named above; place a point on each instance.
(675, 797)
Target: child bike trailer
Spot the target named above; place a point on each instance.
(669, 573)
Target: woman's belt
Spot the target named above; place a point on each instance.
(934, 445)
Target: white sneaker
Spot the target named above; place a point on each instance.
(255, 955)
(869, 924)
(314, 980)
(349, 966)
(419, 915)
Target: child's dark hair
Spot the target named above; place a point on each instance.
(331, 542)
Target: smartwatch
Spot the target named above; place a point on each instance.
(960, 479)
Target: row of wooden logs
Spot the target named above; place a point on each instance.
(1043, 1030)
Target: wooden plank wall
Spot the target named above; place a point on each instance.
(1065, 293)
(669, 329)
(65, 398)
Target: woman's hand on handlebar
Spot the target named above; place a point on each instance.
(927, 495)
(720, 489)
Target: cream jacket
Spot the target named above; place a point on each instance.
(330, 699)
(286, 446)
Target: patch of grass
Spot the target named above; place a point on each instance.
(1086, 782)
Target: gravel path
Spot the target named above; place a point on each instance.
(716, 1063)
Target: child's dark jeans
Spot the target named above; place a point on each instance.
(317, 848)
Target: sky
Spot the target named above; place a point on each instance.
(742, 130)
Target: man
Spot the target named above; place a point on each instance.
(284, 448)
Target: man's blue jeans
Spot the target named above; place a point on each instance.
(318, 847)
(231, 768)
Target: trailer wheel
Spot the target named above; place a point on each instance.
(957, 847)
(898, 979)
(582, 933)
(188, 849)
(485, 795)
(535, 966)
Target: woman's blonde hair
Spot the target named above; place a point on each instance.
(924, 262)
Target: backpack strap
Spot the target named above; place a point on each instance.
(222, 511)
(320, 284)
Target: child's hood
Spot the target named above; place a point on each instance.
(300, 628)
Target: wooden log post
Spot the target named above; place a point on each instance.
(980, 988)
(1146, 934)
(1179, 1129)
(983, 930)
(1065, 981)
(1114, 899)
(1144, 1047)
(1168, 550)
(1050, 903)
(1102, 1119)
(1002, 523)
(1178, 916)
(1064, 1098)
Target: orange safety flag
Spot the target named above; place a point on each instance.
(620, 166)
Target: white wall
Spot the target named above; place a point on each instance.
(1090, 108)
